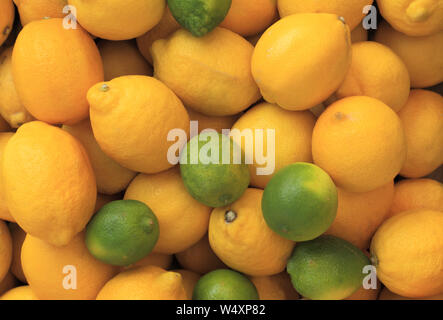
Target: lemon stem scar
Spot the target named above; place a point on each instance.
(342, 19)
(374, 260)
(104, 88)
(230, 216)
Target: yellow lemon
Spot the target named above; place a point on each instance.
(407, 251)
(183, 220)
(18, 237)
(276, 287)
(385, 294)
(144, 283)
(200, 258)
(302, 59)
(359, 141)
(413, 17)
(49, 182)
(5, 250)
(422, 119)
(110, 176)
(19, 293)
(240, 237)
(117, 19)
(160, 260)
(11, 108)
(351, 11)
(30, 10)
(4, 211)
(131, 117)
(122, 58)
(65, 273)
(7, 15)
(189, 279)
(292, 132)
(422, 55)
(211, 74)
(412, 194)
(374, 71)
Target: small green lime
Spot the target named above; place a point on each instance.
(211, 171)
(122, 232)
(199, 16)
(327, 268)
(300, 202)
(224, 284)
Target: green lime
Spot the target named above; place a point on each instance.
(211, 171)
(224, 284)
(199, 16)
(327, 268)
(300, 202)
(122, 232)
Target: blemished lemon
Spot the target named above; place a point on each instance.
(284, 59)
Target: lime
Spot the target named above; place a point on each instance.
(300, 202)
(211, 172)
(122, 232)
(327, 268)
(224, 284)
(199, 16)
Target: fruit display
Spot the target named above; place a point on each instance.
(221, 150)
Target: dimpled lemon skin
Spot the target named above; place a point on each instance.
(240, 237)
(50, 270)
(118, 19)
(49, 183)
(302, 59)
(360, 142)
(211, 74)
(144, 283)
(131, 117)
(407, 251)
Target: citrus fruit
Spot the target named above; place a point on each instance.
(63, 273)
(418, 53)
(57, 182)
(359, 141)
(422, 119)
(134, 131)
(275, 287)
(18, 237)
(19, 293)
(189, 279)
(413, 17)
(360, 214)
(4, 211)
(375, 69)
(160, 260)
(407, 251)
(248, 19)
(197, 16)
(351, 11)
(224, 284)
(5, 249)
(300, 202)
(110, 176)
(122, 232)
(163, 29)
(30, 10)
(200, 258)
(117, 19)
(50, 83)
(7, 15)
(385, 294)
(298, 42)
(144, 283)
(210, 170)
(183, 221)
(122, 58)
(359, 34)
(412, 194)
(258, 251)
(293, 136)
(211, 122)
(327, 268)
(365, 294)
(11, 108)
(211, 74)
(8, 282)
